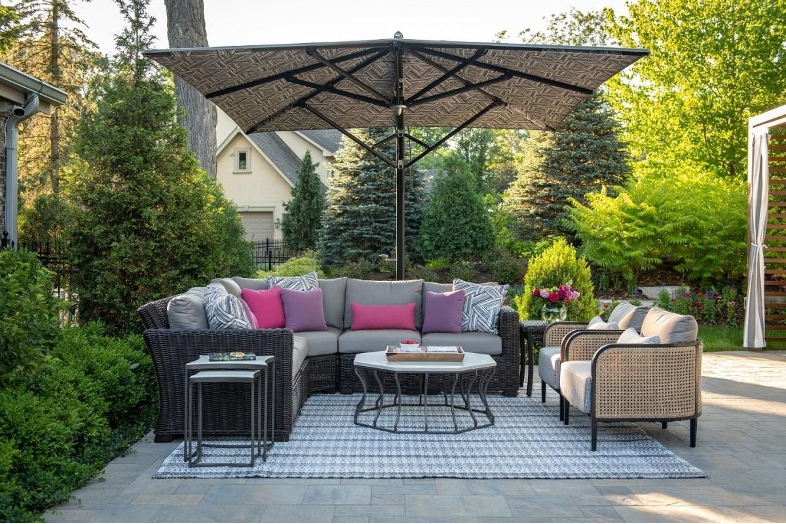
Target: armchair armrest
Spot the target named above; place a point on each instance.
(556, 331)
(647, 381)
(582, 344)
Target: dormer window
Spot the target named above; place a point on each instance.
(242, 161)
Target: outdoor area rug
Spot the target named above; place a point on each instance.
(527, 442)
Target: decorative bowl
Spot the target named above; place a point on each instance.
(409, 345)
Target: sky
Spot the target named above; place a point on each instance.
(245, 22)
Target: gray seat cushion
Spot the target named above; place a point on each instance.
(671, 328)
(257, 284)
(473, 342)
(321, 342)
(549, 364)
(364, 341)
(187, 310)
(576, 381)
(299, 353)
(380, 293)
(333, 292)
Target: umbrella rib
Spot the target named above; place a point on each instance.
(346, 74)
(314, 93)
(346, 133)
(512, 72)
(340, 92)
(459, 90)
(447, 74)
(445, 69)
(283, 75)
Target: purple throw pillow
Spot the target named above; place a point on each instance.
(303, 310)
(442, 312)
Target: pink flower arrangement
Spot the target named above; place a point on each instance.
(558, 295)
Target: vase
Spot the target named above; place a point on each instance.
(554, 312)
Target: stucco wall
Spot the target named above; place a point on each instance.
(262, 189)
(300, 145)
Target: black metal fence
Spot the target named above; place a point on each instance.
(268, 253)
(51, 255)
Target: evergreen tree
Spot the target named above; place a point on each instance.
(303, 218)
(360, 220)
(148, 222)
(583, 155)
(456, 223)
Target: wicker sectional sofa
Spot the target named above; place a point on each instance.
(310, 362)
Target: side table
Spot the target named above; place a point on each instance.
(531, 330)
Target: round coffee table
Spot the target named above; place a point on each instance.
(474, 368)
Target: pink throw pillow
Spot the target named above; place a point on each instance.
(383, 317)
(266, 306)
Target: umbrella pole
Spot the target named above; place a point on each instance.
(400, 186)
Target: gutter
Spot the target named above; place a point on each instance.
(17, 114)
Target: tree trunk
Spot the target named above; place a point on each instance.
(54, 126)
(186, 28)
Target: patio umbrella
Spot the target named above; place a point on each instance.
(396, 83)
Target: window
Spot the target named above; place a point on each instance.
(242, 161)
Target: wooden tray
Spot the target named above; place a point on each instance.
(423, 355)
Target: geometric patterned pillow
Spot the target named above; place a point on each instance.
(307, 282)
(481, 305)
(225, 311)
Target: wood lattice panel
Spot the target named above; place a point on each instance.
(775, 241)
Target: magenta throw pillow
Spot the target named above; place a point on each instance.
(303, 310)
(442, 312)
(266, 306)
(383, 317)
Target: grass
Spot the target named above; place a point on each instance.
(721, 338)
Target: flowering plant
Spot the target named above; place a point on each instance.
(555, 300)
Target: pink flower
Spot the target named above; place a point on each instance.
(535, 292)
(574, 294)
(544, 293)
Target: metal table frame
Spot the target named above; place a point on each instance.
(261, 366)
(530, 329)
(485, 376)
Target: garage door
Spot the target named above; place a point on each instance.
(258, 224)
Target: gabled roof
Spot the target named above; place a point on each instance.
(327, 139)
(279, 154)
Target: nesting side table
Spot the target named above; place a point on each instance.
(253, 372)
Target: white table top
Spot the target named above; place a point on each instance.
(378, 360)
(204, 363)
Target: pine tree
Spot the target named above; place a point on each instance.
(583, 155)
(303, 218)
(360, 220)
(456, 223)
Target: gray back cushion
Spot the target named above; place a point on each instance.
(257, 284)
(229, 285)
(333, 291)
(435, 287)
(622, 309)
(634, 319)
(671, 328)
(187, 310)
(379, 293)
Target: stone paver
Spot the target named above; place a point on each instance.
(740, 447)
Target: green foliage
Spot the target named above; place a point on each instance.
(583, 155)
(44, 219)
(303, 218)
(504, 267)
(294, 267)
(148, 222)
(456, 224)
(360, 269)
(418, 272)
(558, 265)
(464, 269)
(710, 307)
(61, 425)
(29, 323)
(359, 222)
(713, 64)
(695, 222)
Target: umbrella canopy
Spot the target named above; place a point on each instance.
(396, 82)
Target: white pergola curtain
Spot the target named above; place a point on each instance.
(758, 202)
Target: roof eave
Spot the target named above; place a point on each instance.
(23, 82)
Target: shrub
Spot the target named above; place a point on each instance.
(294, 267)
(709, 307)
(456, 224)
(418, 272)
(44, 219)
(29, 322)
(360, 269)
(465, 270)
(695, 222)
(557, 265)
(504, 267)
(60, 426)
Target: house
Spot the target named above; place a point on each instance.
(258, 171)
(21, 96)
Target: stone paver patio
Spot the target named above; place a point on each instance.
(741, 447)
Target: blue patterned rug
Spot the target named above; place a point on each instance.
(528, 441)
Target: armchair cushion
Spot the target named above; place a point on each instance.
(549, 365)
(576, 384)
(626, 315)
(629, 336)
(321, 342)
(373, 340)
(597, 323)
(671, 328)
(333, 291)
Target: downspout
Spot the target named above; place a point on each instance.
(18, 114)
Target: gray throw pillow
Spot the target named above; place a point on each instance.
(225, 311)
(482, 304)
(187, 310)
(306, 282)
(629, 336)
(599, 324)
